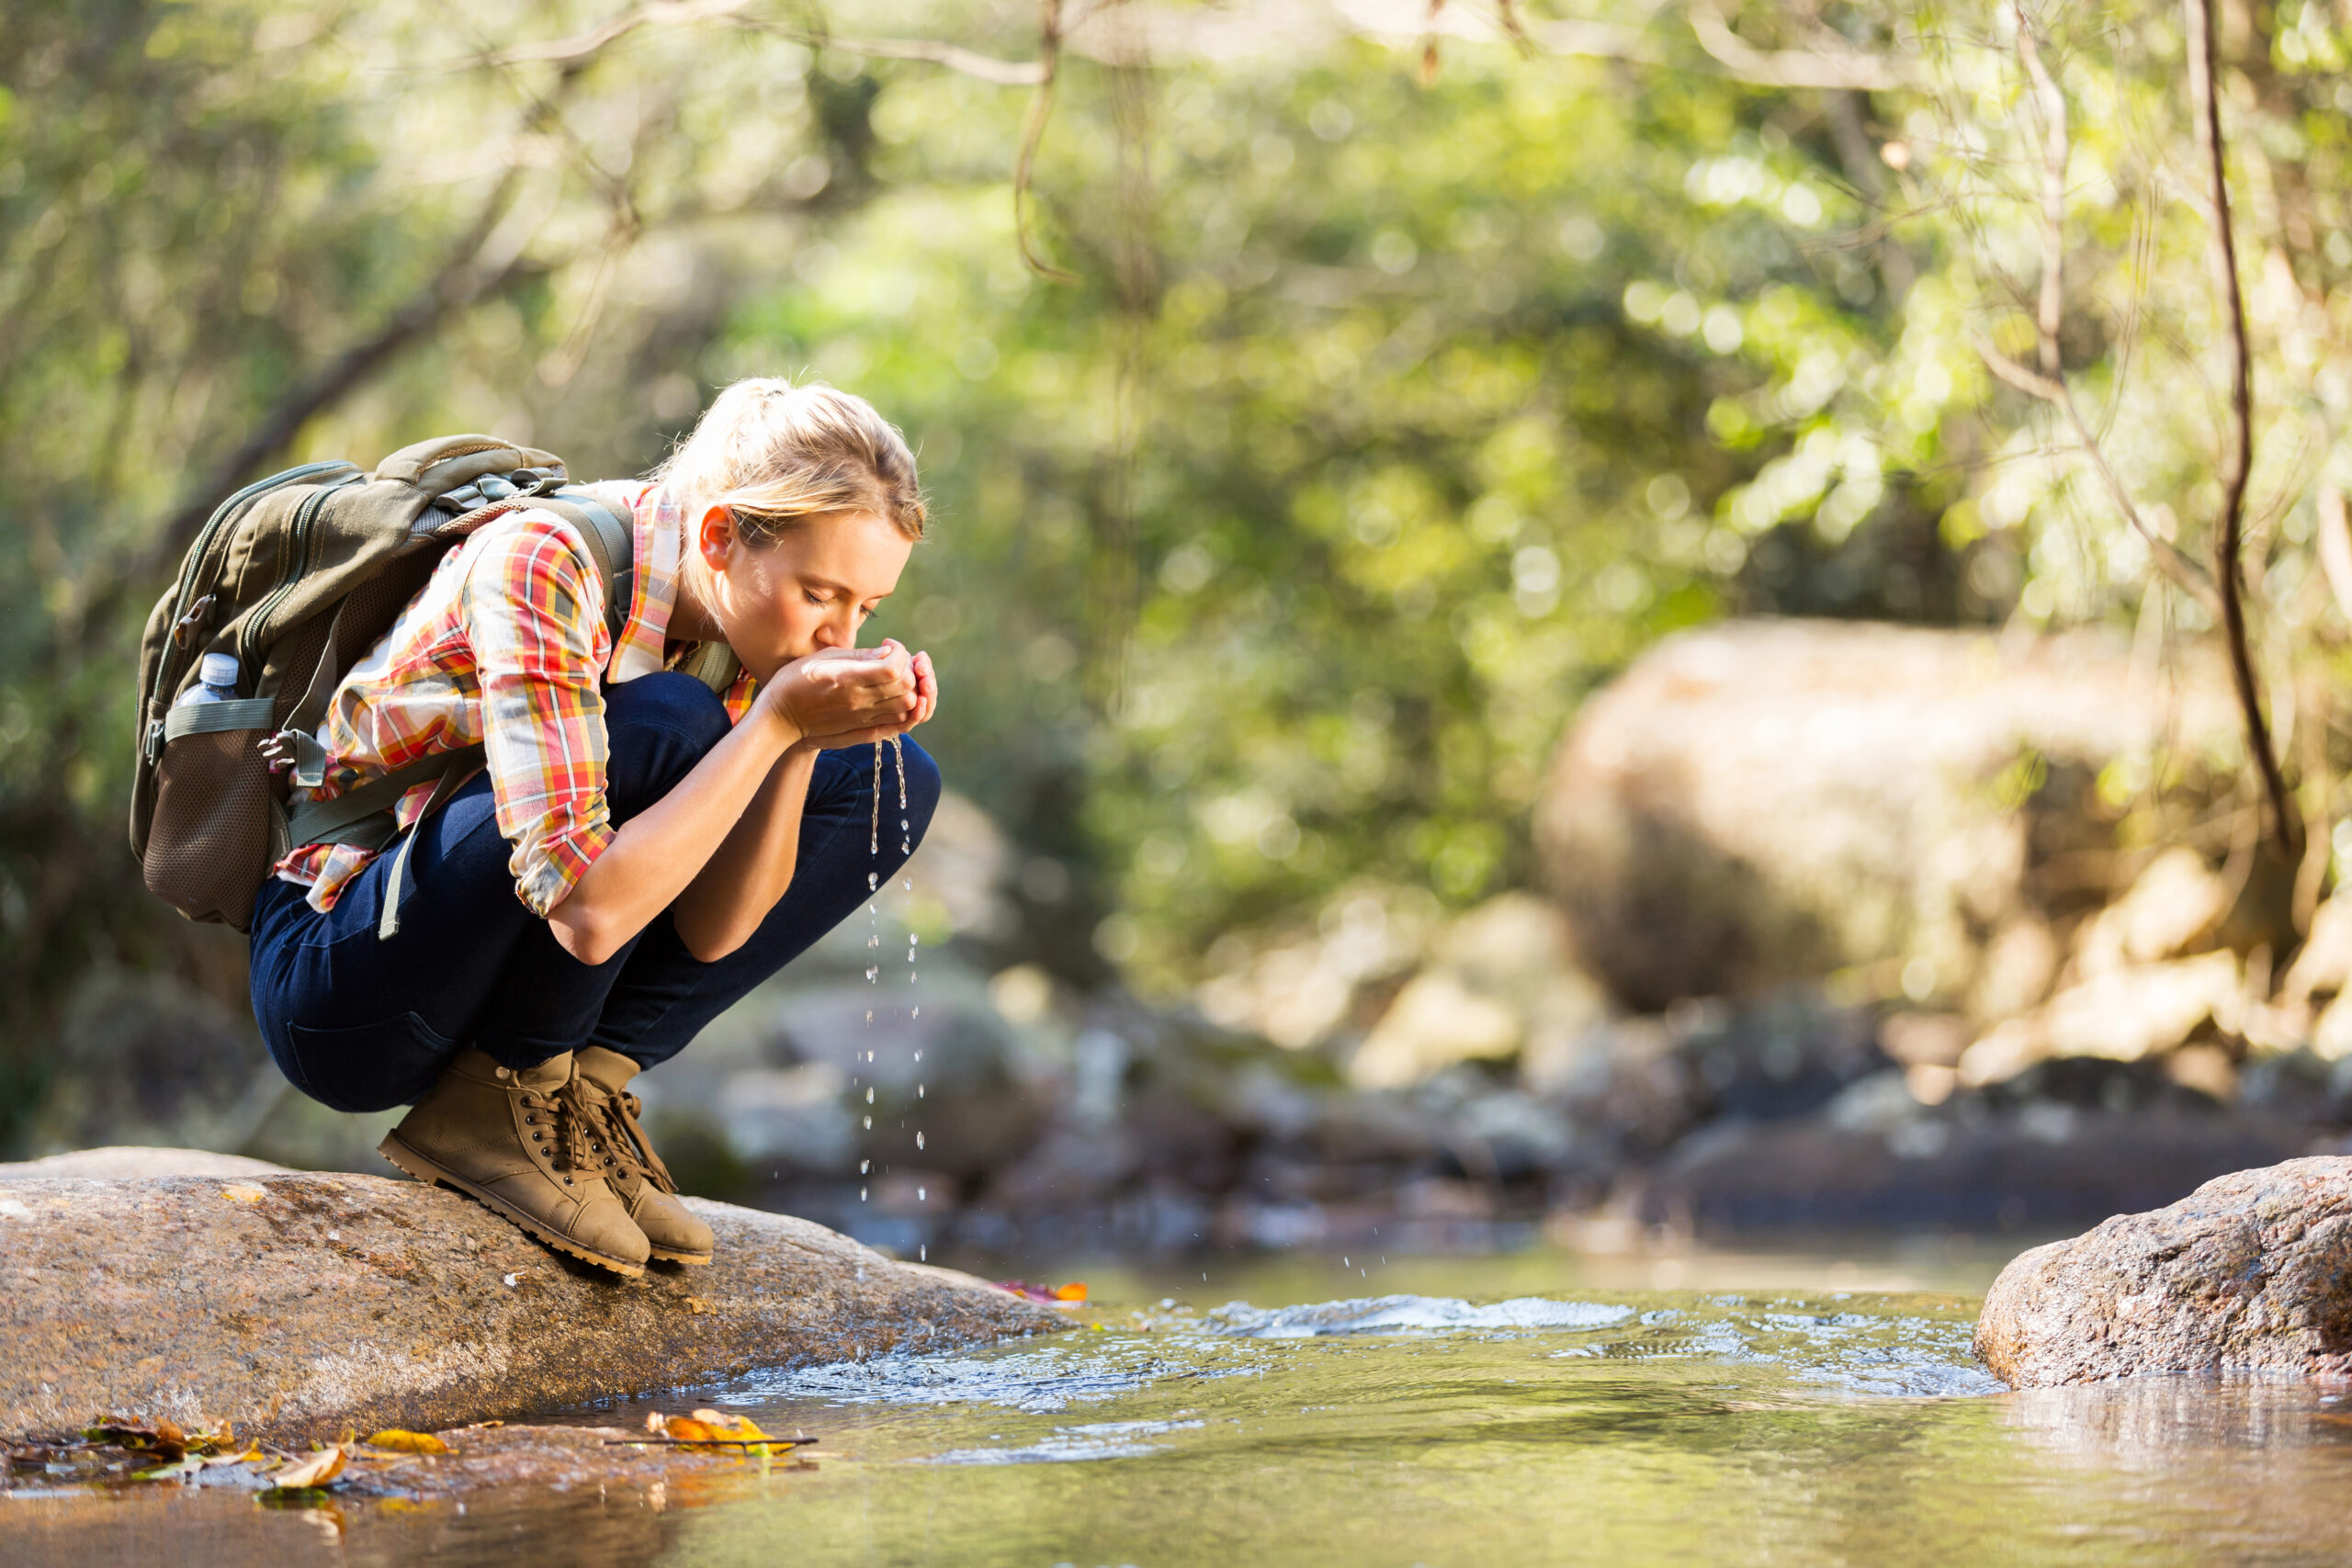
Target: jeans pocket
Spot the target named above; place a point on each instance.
(367, 1066)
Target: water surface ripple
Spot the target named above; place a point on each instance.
(1548, 1426)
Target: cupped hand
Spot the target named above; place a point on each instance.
(847, 696)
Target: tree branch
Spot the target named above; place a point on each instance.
(1033, 132)
(586, 46)
(2049, 383)
(2229, 534)
(1848, 69)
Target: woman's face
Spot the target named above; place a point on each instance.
(812, 588)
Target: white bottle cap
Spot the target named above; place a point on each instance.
(218, 670)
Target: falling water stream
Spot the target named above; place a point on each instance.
(874, 945)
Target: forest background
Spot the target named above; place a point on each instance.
(1318, 402)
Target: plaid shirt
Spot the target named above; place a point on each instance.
(506, 646)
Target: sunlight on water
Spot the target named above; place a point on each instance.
(1492, 1426)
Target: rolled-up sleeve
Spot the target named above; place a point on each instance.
(539, 641)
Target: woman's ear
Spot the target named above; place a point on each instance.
(714, 537)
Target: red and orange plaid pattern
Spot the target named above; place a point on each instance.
(506, 646)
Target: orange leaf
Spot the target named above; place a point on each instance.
(408, 1442)
(1073, 1291)
(685, 1429)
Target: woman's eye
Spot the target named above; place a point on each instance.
(817, 599)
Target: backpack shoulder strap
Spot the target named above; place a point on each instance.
(611, 539)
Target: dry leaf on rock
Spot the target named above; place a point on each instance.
(399, 1441)
(1069, 1295)
(159, 1438)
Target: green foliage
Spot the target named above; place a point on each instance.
(1384, 420)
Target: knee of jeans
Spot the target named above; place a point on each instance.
(656, 727)
(922, 788)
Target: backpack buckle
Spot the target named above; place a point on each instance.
(301, 752)
(183, 630)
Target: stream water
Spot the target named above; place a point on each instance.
(1533, 1408)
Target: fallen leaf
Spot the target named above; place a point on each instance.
(162, 1438)
(403, 1442)
(316, 1470)
(696, 1305)
(1073, 1291)
(1025, 1291)
(243, 1194)
(685, 1429)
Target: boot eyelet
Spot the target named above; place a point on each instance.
(567, 1181)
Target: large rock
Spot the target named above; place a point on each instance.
(2251, 1272)
(297, 1305)
(1759, 801)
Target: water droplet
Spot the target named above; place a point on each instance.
(869, 1015)
(912, 940)
(918, 1091)
(864, 1166)
(869, 1094)
(869, 1124)
(861, 1194)
(923, 1195)
(918, 1014)
(923, 1254)
(873, 880)
(918, 1140)
(871, 971)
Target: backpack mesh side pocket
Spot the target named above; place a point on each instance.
(215, 809)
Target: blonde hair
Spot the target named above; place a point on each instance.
(775, 455)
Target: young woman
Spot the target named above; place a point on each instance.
(639, 851)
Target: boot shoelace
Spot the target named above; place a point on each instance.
(631, 1148)
(572, 1126)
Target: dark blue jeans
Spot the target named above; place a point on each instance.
(360, 1023)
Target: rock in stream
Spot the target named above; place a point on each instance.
(2250, 1273)
(297, 1305)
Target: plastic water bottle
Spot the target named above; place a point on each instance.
(217, 681)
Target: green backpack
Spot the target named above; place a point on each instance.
(297, 576)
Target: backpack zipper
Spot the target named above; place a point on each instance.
(165, 675)
(298, 546)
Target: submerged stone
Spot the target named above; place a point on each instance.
(2250, 1273)
(297, 1305)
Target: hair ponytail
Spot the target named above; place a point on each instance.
(775, 455)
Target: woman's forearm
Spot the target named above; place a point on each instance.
(752, 867)
(655, 854)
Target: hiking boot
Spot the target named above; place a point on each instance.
(523, 1142)
(638, 1174)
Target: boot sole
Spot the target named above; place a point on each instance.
(432, 1175)
(692, 1260)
